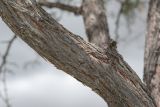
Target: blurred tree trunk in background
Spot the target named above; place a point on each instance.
(96, 64)
(152, 52)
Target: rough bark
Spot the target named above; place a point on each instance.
(104, 71)
(152, 52)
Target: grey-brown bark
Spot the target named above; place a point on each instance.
(96, 22)
(104, 71)
(152, 51)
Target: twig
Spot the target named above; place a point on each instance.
(5, 89)
(5, 98)
(118, 22)
(74, 9)
(4, 58)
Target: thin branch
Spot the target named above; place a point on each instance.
(5, 89)
(5, 98)
(118, 22)
(4, 58)
(73, 9)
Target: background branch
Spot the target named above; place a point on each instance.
(73, 9)
(5, 98)
(4, 58)
(117, 36)
(3, 71)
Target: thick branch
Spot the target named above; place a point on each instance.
(73, 9)
(152, 51)
(106, 73)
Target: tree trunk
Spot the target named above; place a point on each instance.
(104, 71)
(152, 52)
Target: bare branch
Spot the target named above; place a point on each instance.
(4, 58)
(73, 9)
(5, 98)
(118, 22)
(5, 90)
(104, 71)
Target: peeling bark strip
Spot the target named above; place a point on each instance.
(107, 74)
(152, 51)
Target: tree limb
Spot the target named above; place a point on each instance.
(73, 9)
(152, 52)
(106, 73)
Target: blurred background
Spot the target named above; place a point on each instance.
(30, 81)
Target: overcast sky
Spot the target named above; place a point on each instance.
(42, 85)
